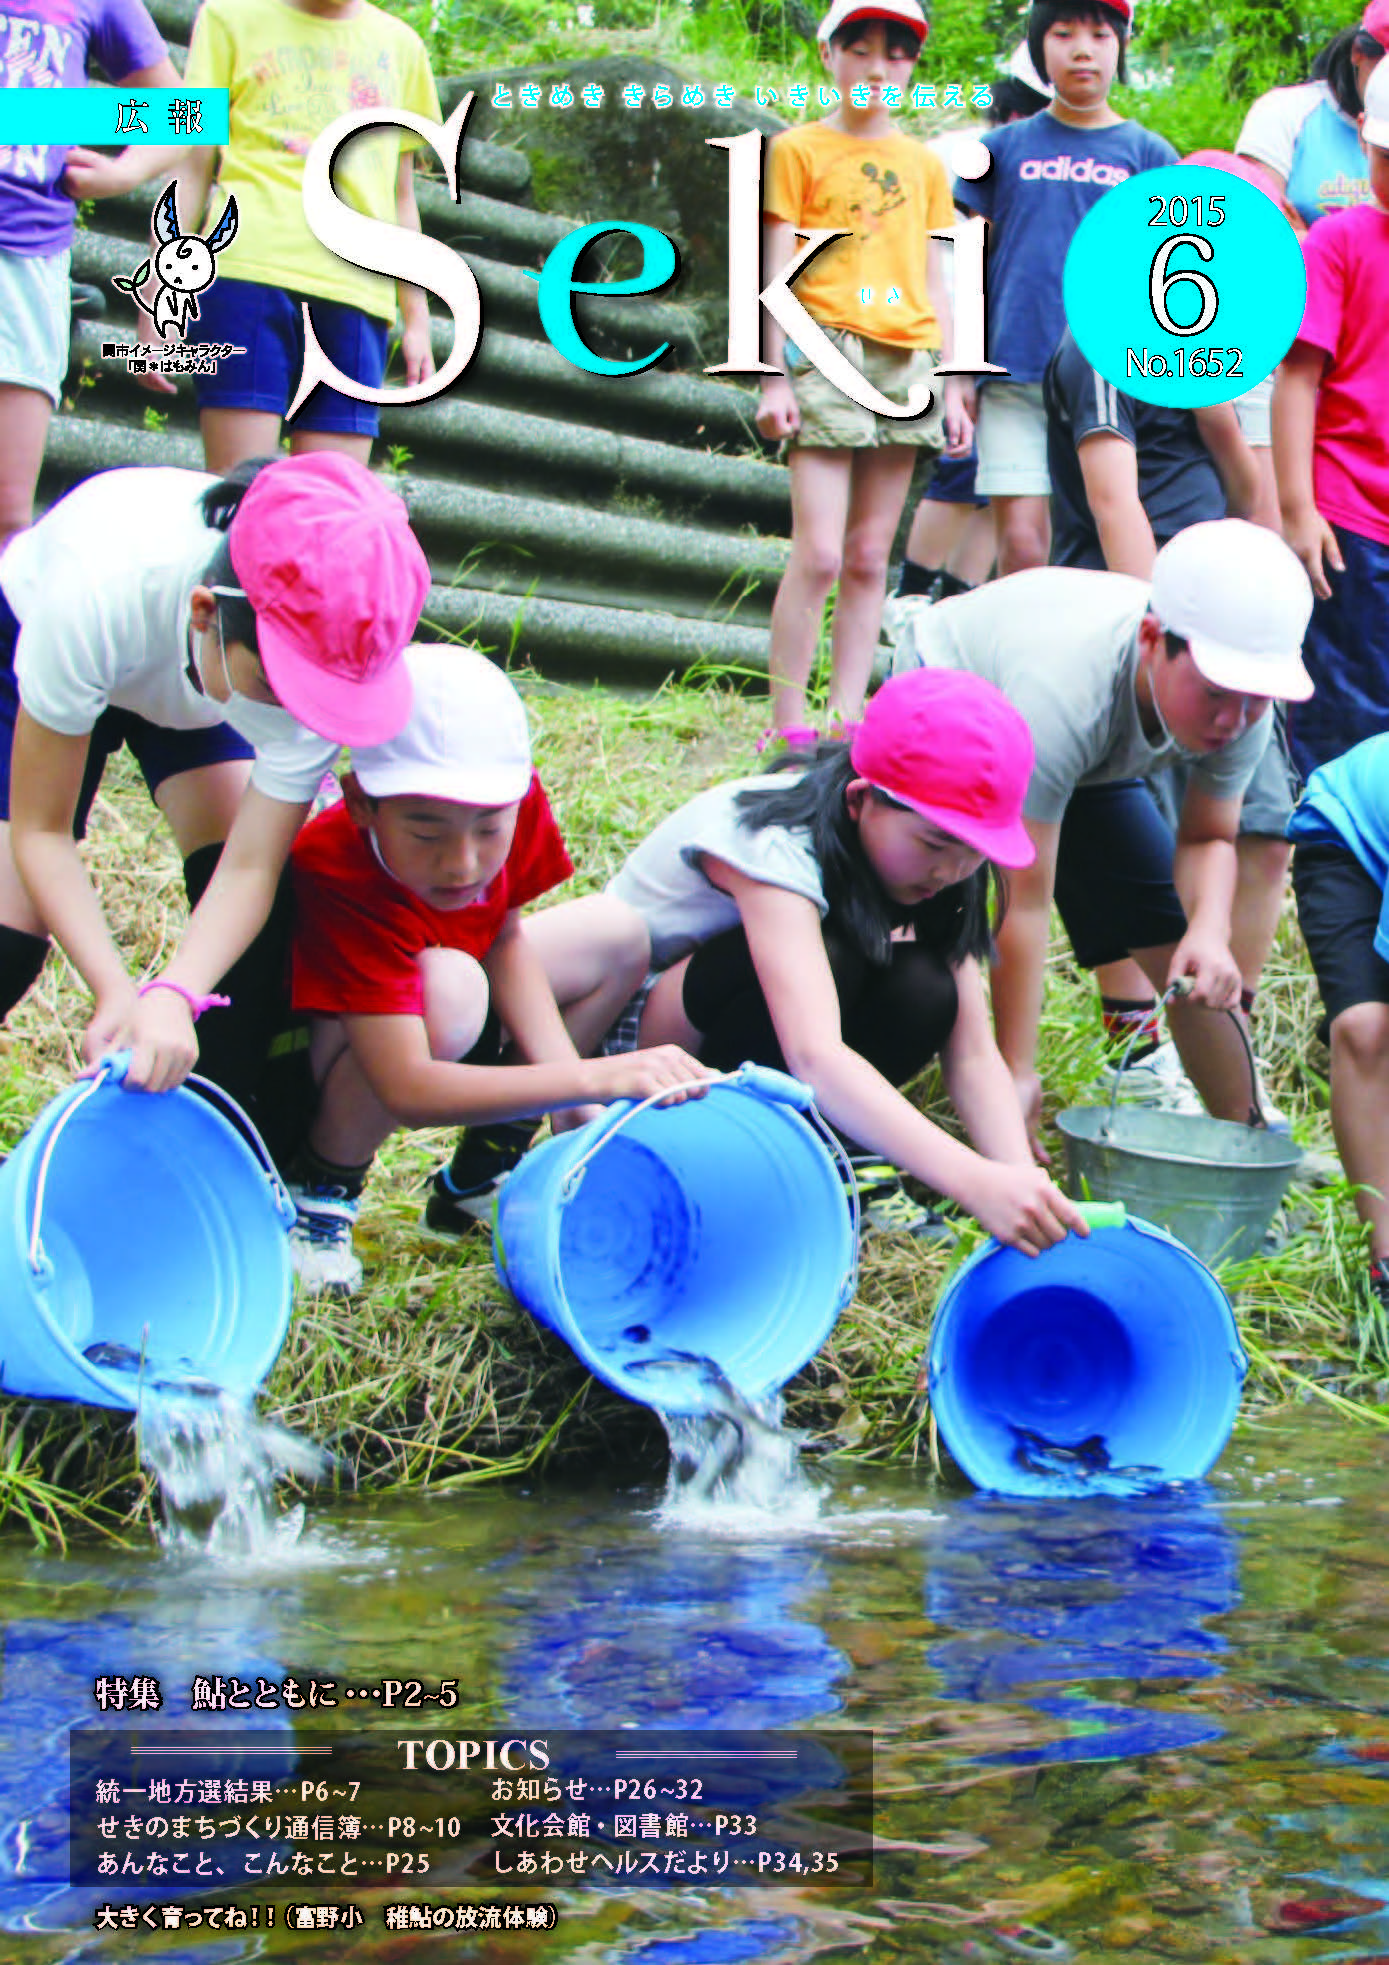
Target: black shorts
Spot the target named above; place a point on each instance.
(1338, 906)
(1114, 874)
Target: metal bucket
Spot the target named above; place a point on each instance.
(1213, 1184)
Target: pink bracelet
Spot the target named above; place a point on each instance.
(197, 1004)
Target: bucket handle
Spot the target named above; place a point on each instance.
(780, 1088)
(111, 1071)
(1183, 987)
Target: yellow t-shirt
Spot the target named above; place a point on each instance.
(290, 75)
(888, 194)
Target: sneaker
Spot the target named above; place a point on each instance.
(461, 1194)
(886, 1208)
(320, 1242)
(1379, 1284)
(1157, 1080)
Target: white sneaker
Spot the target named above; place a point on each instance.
(320, 1242)
(1157, 1080)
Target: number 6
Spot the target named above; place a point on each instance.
(1160, 282)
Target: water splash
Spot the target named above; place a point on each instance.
(732, 1462)
(216, 1463)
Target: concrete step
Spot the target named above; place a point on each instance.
(501, 449)
(619, 328)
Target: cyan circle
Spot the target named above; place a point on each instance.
(1255, 267)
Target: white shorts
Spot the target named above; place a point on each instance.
(1252, 409)
(35, 313)
(1012, 440)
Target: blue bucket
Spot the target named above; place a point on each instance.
(717, 1229)
(1102, 1366)
(145, 1238)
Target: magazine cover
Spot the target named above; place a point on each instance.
(693, 1228)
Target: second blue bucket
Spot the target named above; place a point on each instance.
(718, 1229)
(1107, 1364)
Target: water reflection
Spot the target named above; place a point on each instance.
(1063, 1595)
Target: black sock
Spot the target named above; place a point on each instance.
(1123, 1015)
(916, 578)
(21, 959)
(484, 1151)
(310, 1169)
(951, 584)
(233, 1043)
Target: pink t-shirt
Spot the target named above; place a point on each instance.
(1347, 256)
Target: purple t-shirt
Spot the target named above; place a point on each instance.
(46, 44)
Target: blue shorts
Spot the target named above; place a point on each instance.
(952, 482)
(159, 753)
(1347, 656)
(1114, 888)
(268, 323)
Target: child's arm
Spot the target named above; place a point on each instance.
(959, 393)
(777, 415)
(1109, 468)
(1019, 977)
(1233, 457)
(418, 1089)
(978, 1082)
(1015, 1202)
(416, 348)
(1294, 420)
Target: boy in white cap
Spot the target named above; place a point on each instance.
(409, 953)
(880, 294)
(1118, 678)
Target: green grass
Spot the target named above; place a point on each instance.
(432, 1374)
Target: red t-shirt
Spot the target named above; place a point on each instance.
(1347, 255)
(358, 933)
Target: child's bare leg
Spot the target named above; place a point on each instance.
(1359, 1100)
(820, 481)
(1260, 886)
(232, 435)
(1022, 527)
(595, 952)
(1209, 1045)
(879, 484)
(24, 419)
(347, 441)
(456, 999)
(663, 1021)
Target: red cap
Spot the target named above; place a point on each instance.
(336, 580)
(953, 748)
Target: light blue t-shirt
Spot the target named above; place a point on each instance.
(1346, 803)
(1044, 178)
(1329, 171)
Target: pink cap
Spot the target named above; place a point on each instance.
(953, 748)
(1246, 167)
(336, 579)
(1375, 22)
(844, 12)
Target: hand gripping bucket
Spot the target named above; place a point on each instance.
(718, 1229)
(145, 1240)
(1106, 1365)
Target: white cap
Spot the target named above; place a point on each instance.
(845, 11)
(1375, 126)
(1240, 597)
(467, 739)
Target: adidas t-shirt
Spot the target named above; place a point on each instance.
(1044, 178)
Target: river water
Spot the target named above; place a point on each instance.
(1139, 1730)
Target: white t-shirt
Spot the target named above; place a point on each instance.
(1274, 121)
(1062, 645)
(101, 587)
(664, 878)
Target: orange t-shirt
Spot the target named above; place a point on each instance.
(888, 195)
